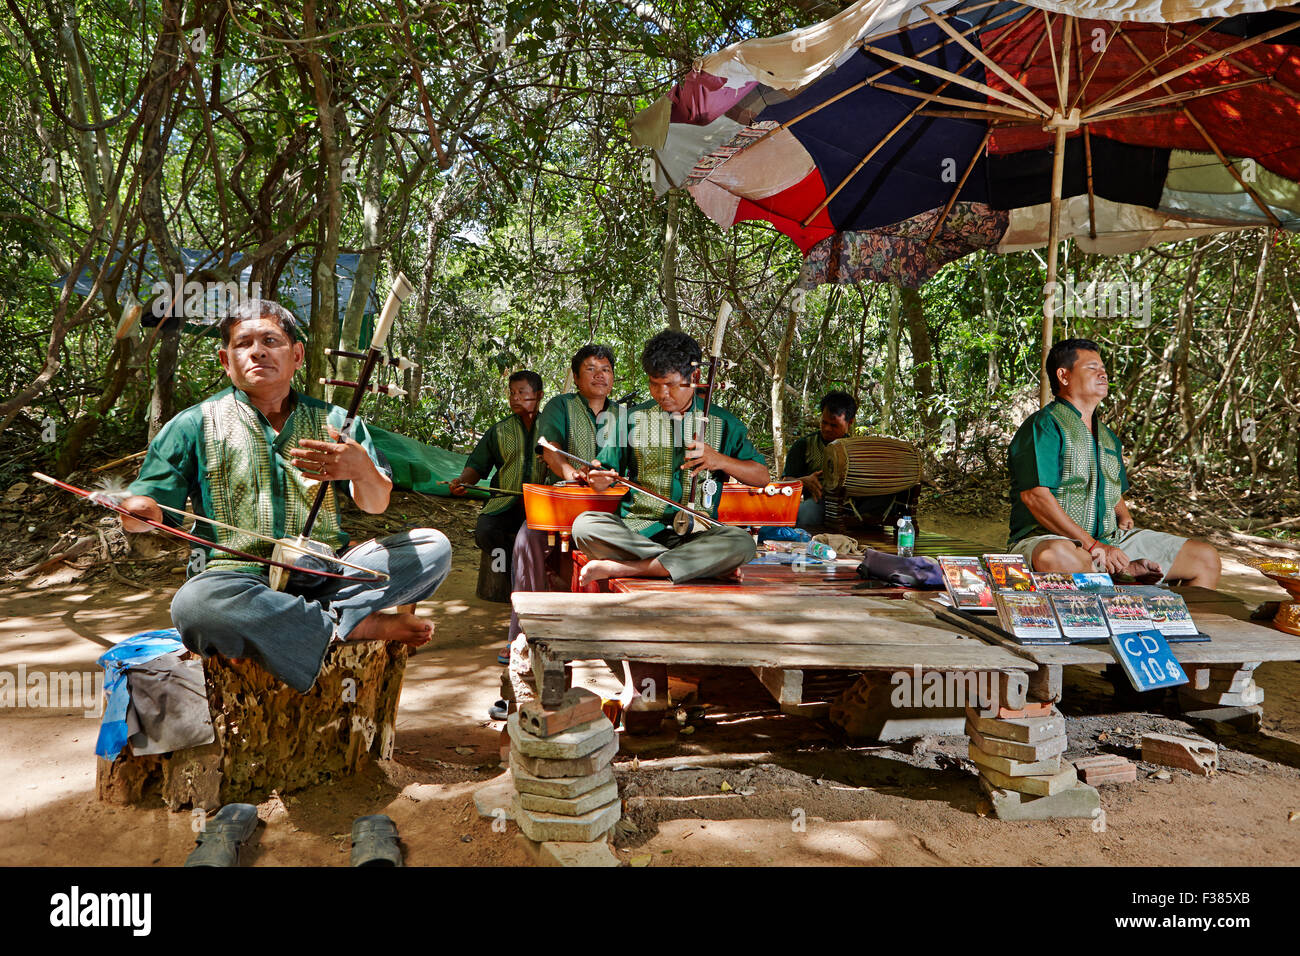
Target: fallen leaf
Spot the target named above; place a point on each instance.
(725, 786)
(1293, 816)
(639, 861)
(688, 730)
(464, 751)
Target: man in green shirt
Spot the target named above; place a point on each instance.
(252, 457)
(807, 455)
(507, 455)
(1068, 481)
(583, 423)
(662, 454)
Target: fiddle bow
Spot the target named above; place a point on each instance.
(106, 501)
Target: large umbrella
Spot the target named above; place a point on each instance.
(901, 135)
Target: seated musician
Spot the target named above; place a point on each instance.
(808, 454)
(583, 423)
(253, 456)
(509, 447)
(1068, 481)
(661, 454)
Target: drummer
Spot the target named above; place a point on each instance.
(583, 423)
(807, 455)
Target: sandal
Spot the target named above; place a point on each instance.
(223, 835)
(374, 841)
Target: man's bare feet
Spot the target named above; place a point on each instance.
(402, 628)
(594, 571)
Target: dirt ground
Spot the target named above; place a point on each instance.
(746, 786)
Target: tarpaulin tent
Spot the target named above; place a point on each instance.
(899, 136)
(420, 467)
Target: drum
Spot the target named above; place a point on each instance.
(773, 505)
(554, 508)
(867, 465)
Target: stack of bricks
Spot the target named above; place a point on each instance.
(1226, 694)
(1018, 754)
(561, 764)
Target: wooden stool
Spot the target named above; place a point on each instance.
(493, 585)
(269, 737)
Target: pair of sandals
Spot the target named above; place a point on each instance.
(374, 838)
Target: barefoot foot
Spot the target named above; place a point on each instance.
(401, 628)
(594, 571)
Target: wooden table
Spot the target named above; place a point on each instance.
(737, 627)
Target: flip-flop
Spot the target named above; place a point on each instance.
(223, 835)
(374, 841)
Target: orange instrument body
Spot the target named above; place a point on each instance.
(553, 508)
(745, 506)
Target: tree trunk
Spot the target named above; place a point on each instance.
(325, 320)
(372, 237)
(991, 318)
(889, 385)
(668, 269)
(778, 396)
(922, 357)
(153, 148)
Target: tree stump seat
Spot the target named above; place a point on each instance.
(269, 737)
(493, 585)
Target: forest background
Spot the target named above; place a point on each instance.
(483, 149)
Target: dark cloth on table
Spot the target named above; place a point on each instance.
(904, 572)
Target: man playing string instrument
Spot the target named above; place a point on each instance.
(1068, 481)
(507, 451)
(661, 454)
(252, 456)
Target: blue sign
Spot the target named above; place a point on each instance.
(1147, 660)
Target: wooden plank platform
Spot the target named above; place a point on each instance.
(654, 628)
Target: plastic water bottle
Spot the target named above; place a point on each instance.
(820, 552)
(905, 536)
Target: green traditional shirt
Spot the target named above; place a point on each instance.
(1083, 469)
(655, 453)
(511, 449)
(806, 456)
(224, 455)
(568, 421)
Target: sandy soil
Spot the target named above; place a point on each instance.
(733, 791)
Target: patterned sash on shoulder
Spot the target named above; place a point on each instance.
(1077, 493)
(582, 428)
(814, 453)
(656, 450)
(241, 483)
(520, 463)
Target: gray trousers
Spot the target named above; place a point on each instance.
(528, 567)
(236, 614)
(706, 554)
